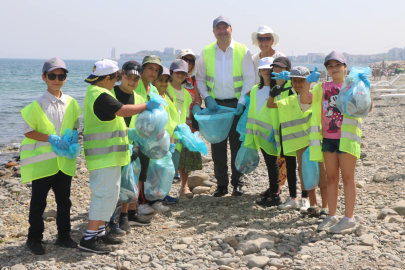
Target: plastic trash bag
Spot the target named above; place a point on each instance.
(149, 123)
(158, 147)
(247, 159)
(241, 126)
(160, 178)
(155, 97)
(310, 171)
(129, 191)
(190, 140)
(72, 137)
(215, 125)
(354, 98)
(273, 139)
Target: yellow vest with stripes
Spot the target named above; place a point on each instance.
(140, 90)
(37, 158)
(105, 142)
(173, 116)
(350, 136)
(239, 52)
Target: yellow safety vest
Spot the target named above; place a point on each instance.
(350, 136)
(239, 52)
(140, 90)
(37, 158)
(105, 142)
(173, 116)
(294, 124)
(186, 104)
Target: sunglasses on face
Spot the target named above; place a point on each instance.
(264, 39)
(191, 61)
(61, 77)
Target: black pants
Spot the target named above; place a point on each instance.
(60, 184)
(220, 153)
(144, 160)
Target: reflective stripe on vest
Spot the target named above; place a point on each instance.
(104, 136)
(30, 147)
(296, 122)
(105, 150)
(38, 158)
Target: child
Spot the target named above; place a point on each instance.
(45, 122)
(106, 150)
(340, 136)
(294, 118)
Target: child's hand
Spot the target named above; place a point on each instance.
(283, 75)
(364, 78)
(58, 142)
(314, 76)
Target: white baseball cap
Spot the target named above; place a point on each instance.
(264, 29)
(102, 68)
(266, 62)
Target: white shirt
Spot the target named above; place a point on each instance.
(54, 109)
(224, 86)
(180, 101)
(304, 107)
(256, 63)
(262, 95)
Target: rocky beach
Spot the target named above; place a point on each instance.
(231, 232)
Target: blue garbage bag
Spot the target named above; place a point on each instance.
(160, 178)
(149, 123)
(72, 137)
(190, 140)
(155, 97)
(129, 191)
(354, 98)
(241, 126)
(158, 147)
(215, 125)
(247, 159)
(272, 139)
(310, 171)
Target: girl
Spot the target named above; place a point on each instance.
(294, 122)
(340, 136)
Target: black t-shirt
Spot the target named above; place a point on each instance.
(125, 99)
(106, 106)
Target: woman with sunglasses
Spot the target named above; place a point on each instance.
(265, 39)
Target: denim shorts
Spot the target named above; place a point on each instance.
(331, 146)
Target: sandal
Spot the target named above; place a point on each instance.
(186, 193)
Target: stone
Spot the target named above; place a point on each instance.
(126, 265)
(3, 172)
(49, 219)
(11, 164)
(50, 213)
(258, 261)
(360, 230)
(385, 212)
(400, 208)
(357, 248)
(17, 173)
(231, 240)
(378, 178)
(224, 267)
(200, 189)
(398, 177)
(334, 248)
(18, 267)
(209, 184)
(255, 243)
(396, 219)
(368, 240)
(226, 261)
(361, 184)
(145, 259)
(276, 262)
(185, 266)
(186, 240)
(179, 247)
(197, 180)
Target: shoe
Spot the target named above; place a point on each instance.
(313, 211)
(94, 245)
(288, 204)
(342, 225)
(124, 223)
(168, 200)
(265, 193)
(138, 221)
(36, 246)
(110, 239)
(269, 201)
(327, 223)
(323, 214)
(221, 191)
(159, 207)
(185, 193)
(176, 177)
(115, 230)
(145, 209)
(304, 205)
(237, 190)
(65, 241)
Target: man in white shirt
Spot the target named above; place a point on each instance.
(224, 75)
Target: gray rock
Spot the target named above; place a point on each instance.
(185, 266)
(18, 267)
(145, 259)
(3, 172)
(357, 248)
(200, 189)
(17, 173)
(385, 212)
(216, 254)
(258, 261)
(126, 265)
(186, 240)
(398, 177)
(50, 213)
(276, 262)
(378, 178)
(226, 261)
(360, 230)
(197, 180)
(209, 184)
(179, 247)
(400, 208)
(368, 240)
(2, 198)
(231, 240)
(255, 243)
(361, 184)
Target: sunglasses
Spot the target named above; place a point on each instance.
(264, 39)
(61, 77)
(191, 61)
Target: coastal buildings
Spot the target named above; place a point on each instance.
(351, 58)
(396, 54)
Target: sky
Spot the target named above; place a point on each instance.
(78, 29)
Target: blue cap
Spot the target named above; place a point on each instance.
(221, 19)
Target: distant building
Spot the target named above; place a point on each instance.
(177, 52)
(168, 51)
(396, 54)
(292, 58)
(113, 53)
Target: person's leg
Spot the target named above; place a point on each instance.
(144, 160)
(323, 185)
(272, 170)
(291, 164)
(235, 144)
(219, 155)
(347, 164)
(124, 207)
(332, 172)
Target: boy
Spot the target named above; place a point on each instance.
(45, 122)
(106, 149)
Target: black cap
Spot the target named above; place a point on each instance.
(283, 62)
(132, 67)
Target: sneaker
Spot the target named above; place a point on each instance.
(327, 223)
(145, 209)
(36, 246)
(138, 221)
(159, 207)
(115, 230)
(94, 245)
(65, 241)
(304, 205)
(168, 200)
(289, 204)
(269, 201)
(124, 223)
(110, 239)
(342, 225)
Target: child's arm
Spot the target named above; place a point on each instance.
(35, 135)
(271, 103)
(304, 95)
(130, 110)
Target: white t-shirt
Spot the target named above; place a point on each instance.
(180, 100)
(256, 63)
(304, 107)
(262, 95)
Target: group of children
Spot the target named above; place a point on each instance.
(285, 117)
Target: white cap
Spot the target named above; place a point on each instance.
(266, 62)
(186, 52)
(103, 68)
(263, 29)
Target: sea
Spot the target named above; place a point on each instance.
(21, 83)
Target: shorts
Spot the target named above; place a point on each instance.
(105, 186)
(331, 146)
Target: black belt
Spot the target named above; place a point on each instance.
(227, 100)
